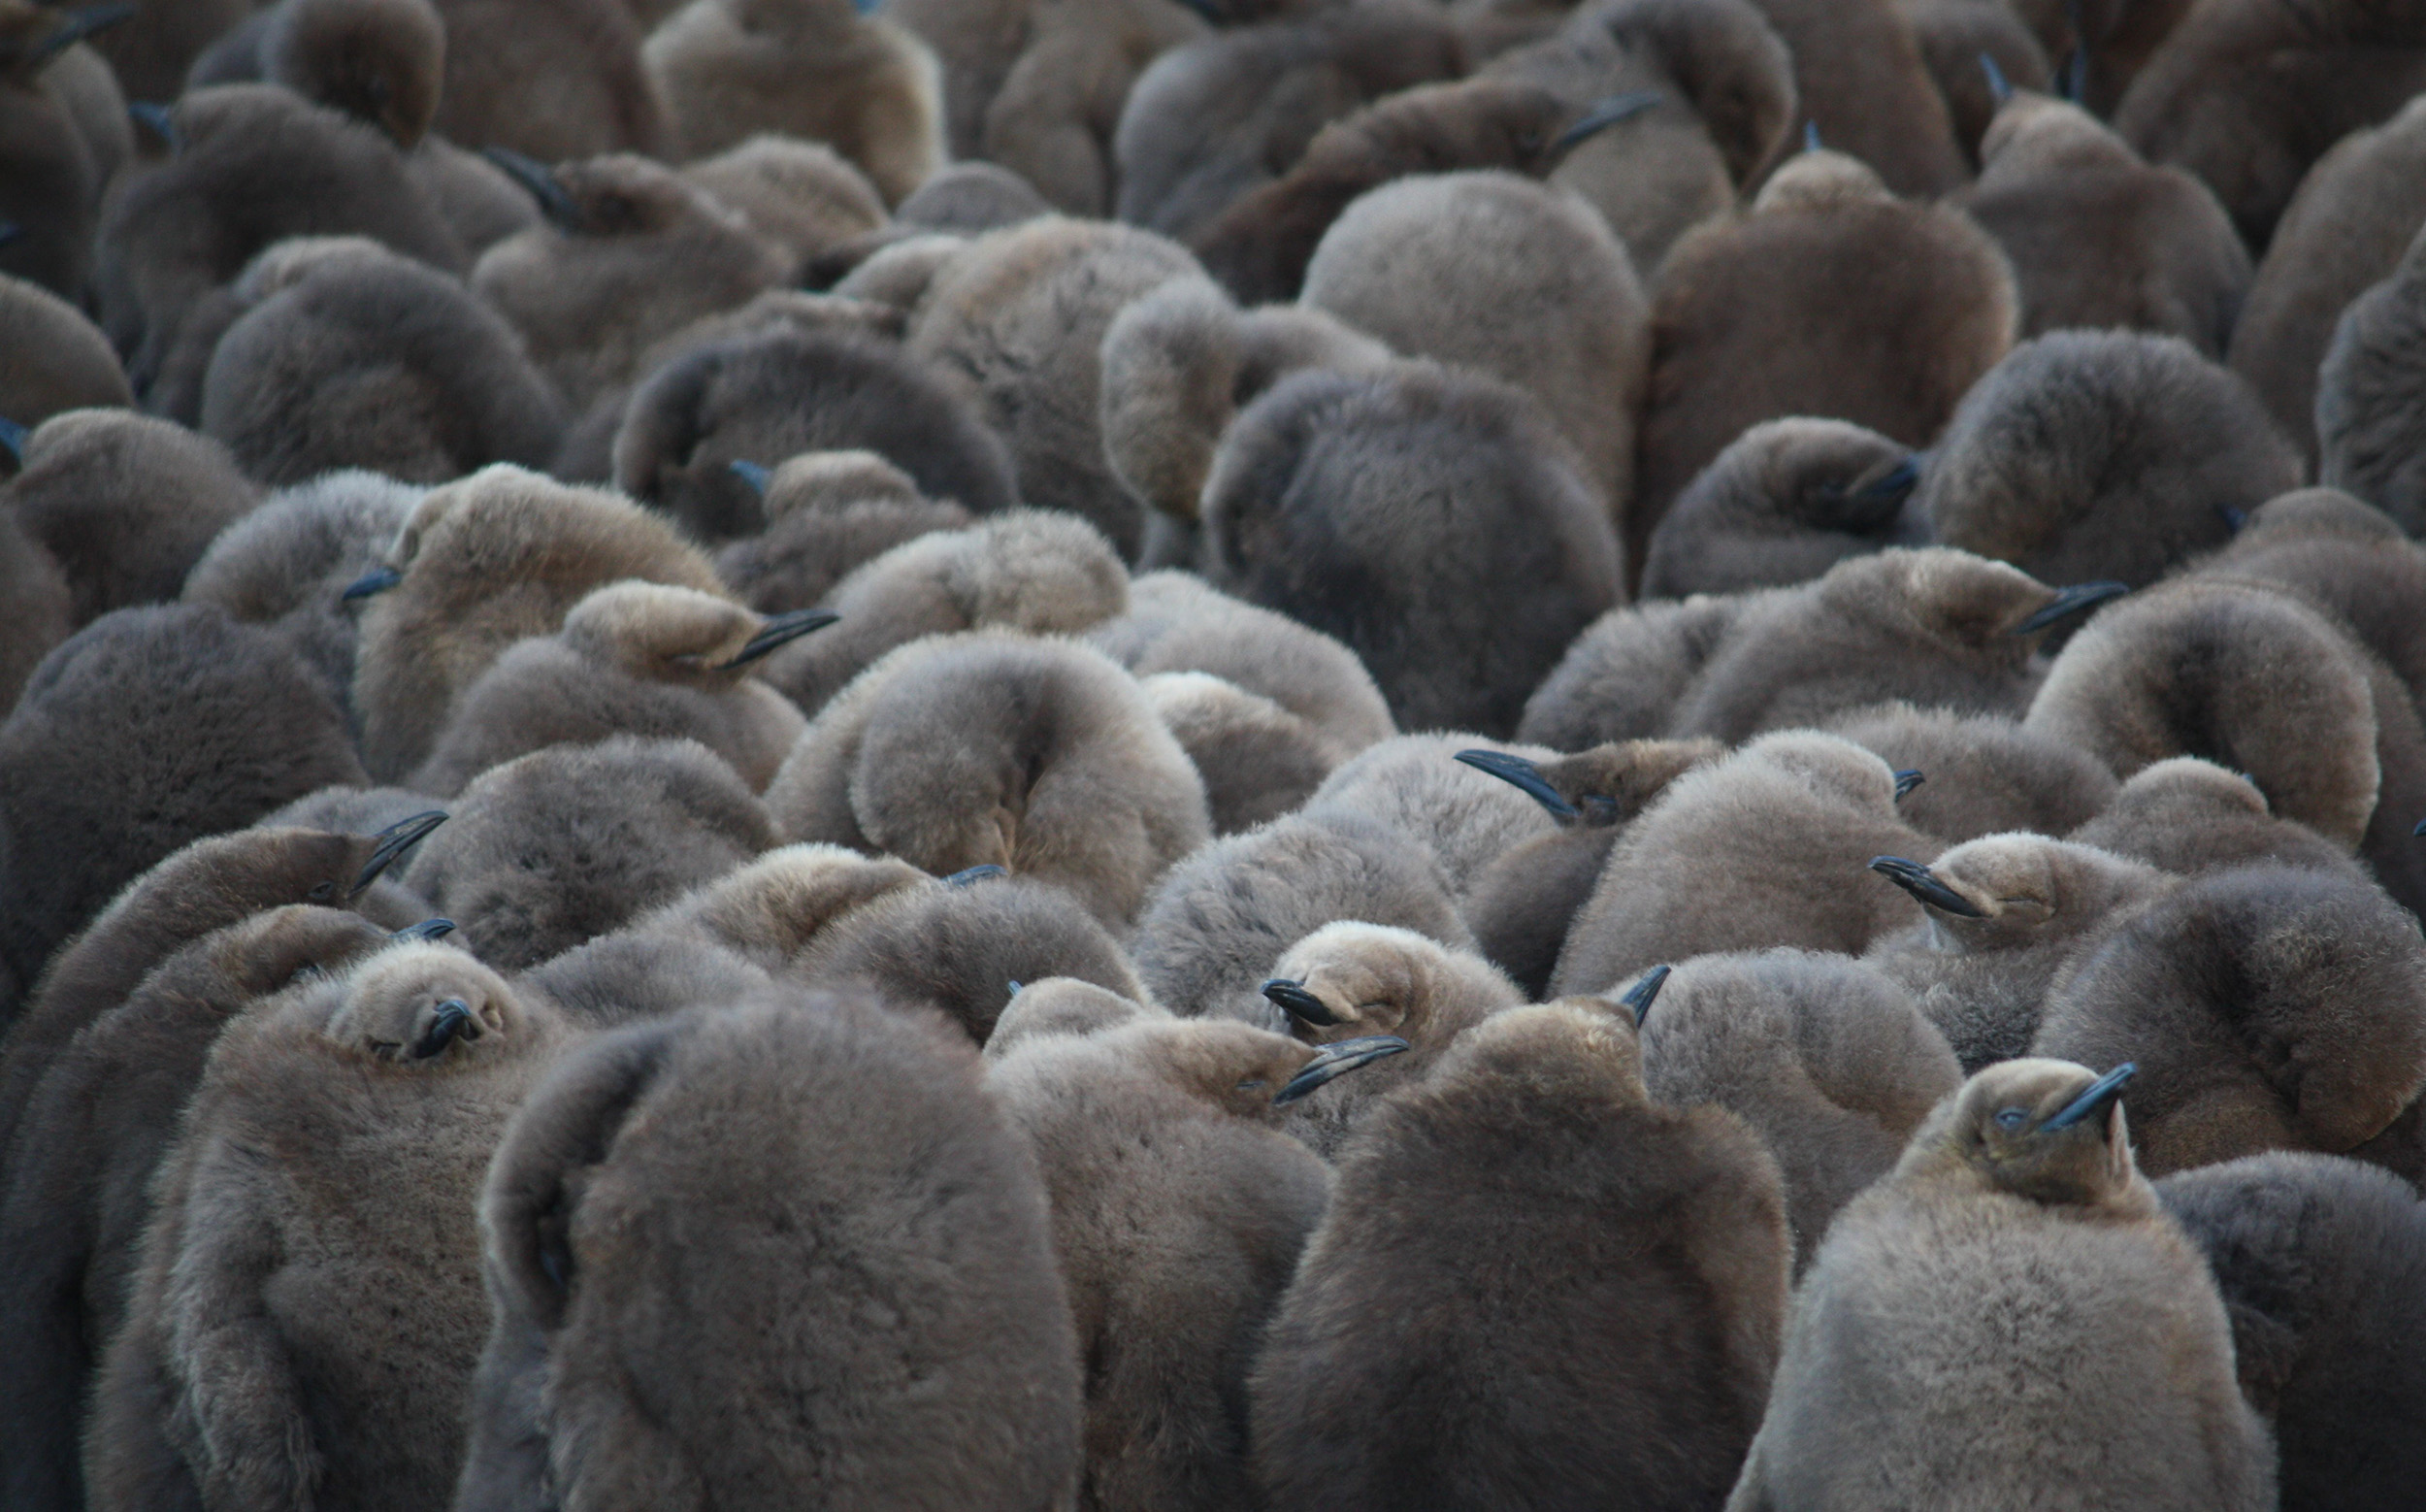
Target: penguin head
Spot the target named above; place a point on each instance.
(423, 1005)
(1244, 1071)
(1349, 979)
(2048, 1130)
(2007, 891)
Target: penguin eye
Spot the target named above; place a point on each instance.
(1252, 1084)
(2012, 1118)
(322, 892)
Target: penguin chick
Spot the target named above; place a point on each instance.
(1761, 849)
(1982, 773)
(2270, 1008)
(373, 360)
(1557, 1230)
(1453, 793)
(633, 658)
(1349, 979)
(804, 196)
(380, 61)
(1522, 900)
(333, 1151)
(2003, 916)
(1037, 571)
(827, 514)
(1831, 1063)
(2318, 1261)
(1223, 916)
(480, 564)
(2188, 815)
(94, 1130)
(2013, 1255)
(772, 910)
(2344, 231)
(284, 565)
(1787, 310)
(1624, 674)
(1260, 246)
(570, 841)
(2365, 391)
(812, 69)
(141, 733)
(1179, 1210)
(1053, 118)
(1458, 608)
(1783, 502)
(1861, 80)
(1178, 365)
(630, 253)
(779, 393)
(1040, 756)
(2346, 559)
(2105, 454)
(53, 185)
(125, 504)
(1062, 1007)
(2248, 95)
(1258, 760)
(1176, 623)
(1496, 273)
(1017, 317)
(598, 97)
(825, 1317)
(52, 358)
(2097, 237)
(1960, 42)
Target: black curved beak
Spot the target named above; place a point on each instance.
(156, 119)
(1909, 778)
(454, 1022)
(12, 440)
(1922, 883)
(1292, 999)
(2069, 602)
(1638, 998)
(2076, 82)
(427, 929)
(1336, 1060)
(1811, 136)
(1893, 487)
(394, 842)
(1523, 775)
(750, 473)
(2095, 1098)
(2419, 831)
(377, 579)
(2000, 88)
(1601, 115)
(780, 631)
(975, 875)
(543, 185)
(2234, 520)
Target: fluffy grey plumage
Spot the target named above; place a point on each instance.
(2367, 395)
(1466, 817)
(828, 512)
(1783, 502)
(2186, 814)
(599, 98)
(56, 359)
(1982, 773)
(1258, 760)
(36, 606)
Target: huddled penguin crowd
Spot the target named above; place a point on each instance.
(1212, 755)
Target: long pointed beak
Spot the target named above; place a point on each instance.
(1922, 883)
(454, 1022)
(975, 875)
(1909, 778)
(1292, 999)
(2095, 1098)
(1893, 487)
(394, 842)
(12, 440)
(1602, 114)
(2070, 601)
(542, 184)
(1638, 996)
(782, 630)
(377, 579)
(1336, 1060)
(158, 122)
(2000, 88)
(1523, 775)
(2420, 830)
(750, 473)
(79, 26)
(1811, 136)
(427, 929)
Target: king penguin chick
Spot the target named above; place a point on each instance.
(1761, 849)
(570, 841)
(1349, 980)
(1179, 1210)
(630, 252)
(1783, 502)
(2098, 237)
(2347, 560)
(143, 731)
(380, 61)
(814, 69)
(1522, 903)
(2343, 232)
(1979, 773)
(2270, 1008)
(1494, 272)
(633, 658)
(1861, 83)
(804, 196)
(1457, 610)
(333, 1151)
(598, 97)
(1258, 760)
(828, 512)
(823, 1317)
(481, 564)
(1035, 571)
(2367, 390)
(1833, 1063)
(52, 358)
(2103, 454)
(1451, 792)
(1040, 756)
(2320, 1265)
(2003, 916)
(1787, 310)
(2014, 1256)
(1556, 1231)
(362, 358)
(2186, 815)
(1978, 53)
(53, 177)
(1062, 1007)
